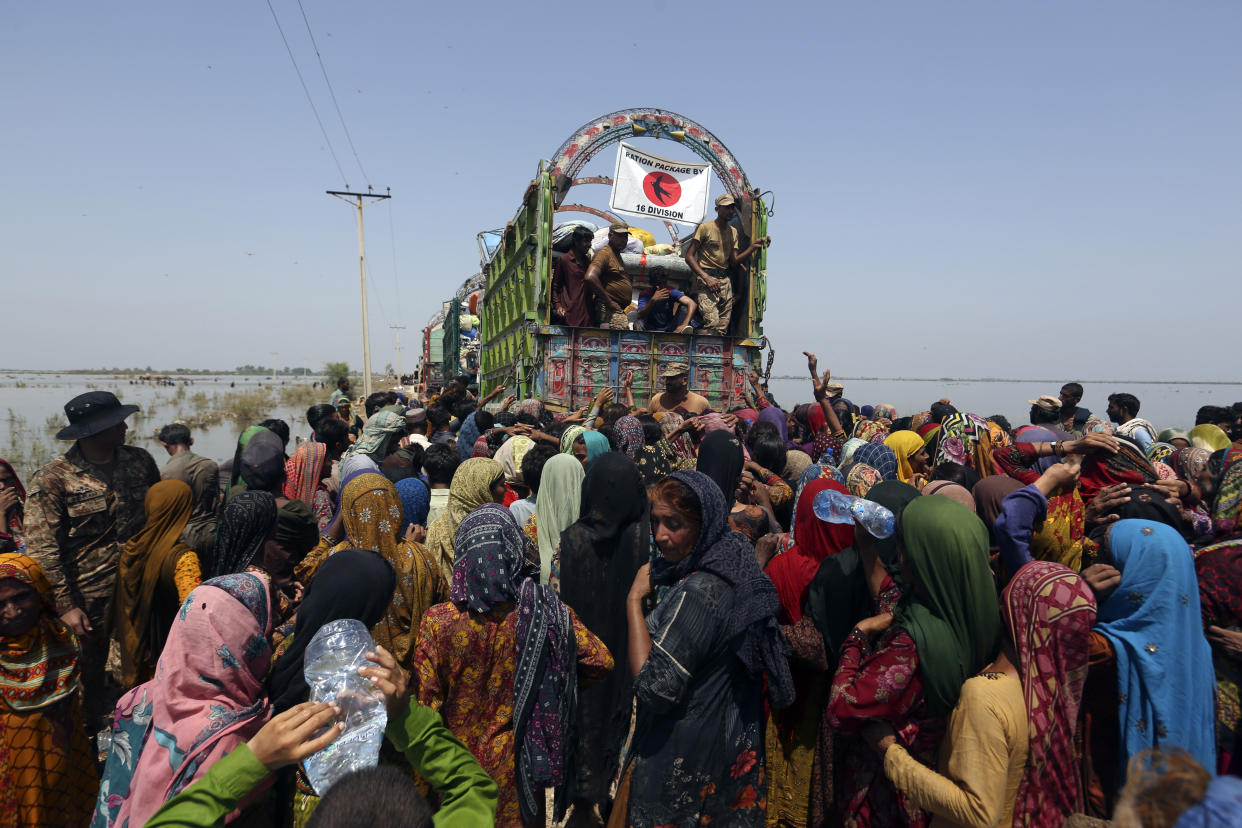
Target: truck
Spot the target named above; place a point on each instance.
(565, 367)
(430, 377)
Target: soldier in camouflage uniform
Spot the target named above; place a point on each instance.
(81, 509)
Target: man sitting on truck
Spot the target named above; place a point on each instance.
(608, 279)
(569, 288)
(710, 255)
(677, 396)
(665, 309)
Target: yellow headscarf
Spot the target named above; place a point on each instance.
(905, 444)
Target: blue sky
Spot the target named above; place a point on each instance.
(962, 189)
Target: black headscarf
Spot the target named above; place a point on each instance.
(1145, 503)
(263, 461)
(600, 553)
(353, 583)
(839, 596)
(721, 459)
(754, 633)
(245, 522)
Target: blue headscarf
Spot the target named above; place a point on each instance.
(879, 457)
(1221, 806)
(415, 499)
(596, 444)
(1165, 677)
(466, 435)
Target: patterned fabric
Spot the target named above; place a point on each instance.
(1227, 507)
(207, 698)
(245, 523)
(11, 530)
(888, 412)
(480, 448)
(467, 437)
(1164, 664)
(904, 445)
(1048, 611)
(861, 478)
(380, 428)
(966, 440)
(999, 438)
(653, 464)
(683, 448)
(1219, 568)
(76, 523)
(1060, 539)
(304, 472)
(1128, 465)
(1159, 452)
(510, 455)
(882, 458)
(568, 436)
(847, 451)
(505, 632)
(415, 500)
(146, 595)
(630, 433)
(470, 489)
(870, 431)
(530, 406)
(40, 667)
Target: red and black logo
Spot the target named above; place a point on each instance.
(662, 188)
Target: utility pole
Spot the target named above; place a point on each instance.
(398, 329)
(357, 200)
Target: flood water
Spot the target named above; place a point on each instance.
(32, 410)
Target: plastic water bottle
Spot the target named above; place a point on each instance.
(832, 506)
(331, 667)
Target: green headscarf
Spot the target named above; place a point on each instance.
(568, 436)
(557, 506)
(235, 478)
(954, 618)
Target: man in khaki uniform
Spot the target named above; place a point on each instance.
(609, 281)
(710, 255)
(82, 508)
(203, 478)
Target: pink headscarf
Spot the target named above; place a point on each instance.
(207, 697)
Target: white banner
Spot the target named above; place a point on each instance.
(649, 186)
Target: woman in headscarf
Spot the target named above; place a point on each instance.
(206, 698)
(415, 502)
(722, 460)
(262, 463)
(989, 495)
(1008, 755)
(946, 630)
(353, 583)
(47, 774)
(560, 499)
(381, 429)
(509, 456)
(880, 457)
(467, 437)
(1043, 521)
(305, 472)
(700, 662)
(888, 412)
(910, 453)
(476, 482)
(677, 440)
(870, 431)
(1192, 466)
(155, 575)
(373, 518)
(966, 439)
(953, 491)
(629, 433)
(653, 464)
(849, 586)
(596, 445)
(861, 478)
(1227, 499)
(780, 419)
(12, 510)
(1208, 436)
(1219, 569)
(501, 661)
(791, 733)
(599, 556)
(246, 521)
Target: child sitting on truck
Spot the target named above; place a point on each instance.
(661, 308)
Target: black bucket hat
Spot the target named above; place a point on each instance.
(91, 413)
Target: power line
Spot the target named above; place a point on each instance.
(332, 92)
(309, 100)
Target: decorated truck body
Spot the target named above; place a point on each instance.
(565, 367)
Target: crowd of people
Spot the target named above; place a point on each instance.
(633, 615)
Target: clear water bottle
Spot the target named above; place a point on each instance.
(331, 667)
(832, 506)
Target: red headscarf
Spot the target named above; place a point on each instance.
(1128, 465)
(817, 419)
(793, 571)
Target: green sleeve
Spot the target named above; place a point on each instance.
(468, 795)
(213, 797)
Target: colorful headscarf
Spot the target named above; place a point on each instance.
(530, 406)
(490, 569)
(1166, 683)
(966, 440)
(847, 451)
(1159, 452)
(415, 500)
(1227, 506)
(1000, 439)
(148, 558)
(1127, 465)
(470, 489)
(904, 444)
(630, 434)
(207, 697)
(793, 570)
(652, 464)
(556, 508)
(880, 457)
(682, 446)
(304, 472)
(16, 519)
(954, 619)
(870, 431)
(861, 478)
(467, 436)
(510, 455)
(39, 667)
(245, 523)
(1048, 611)
(888, 412)
(568, 436)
